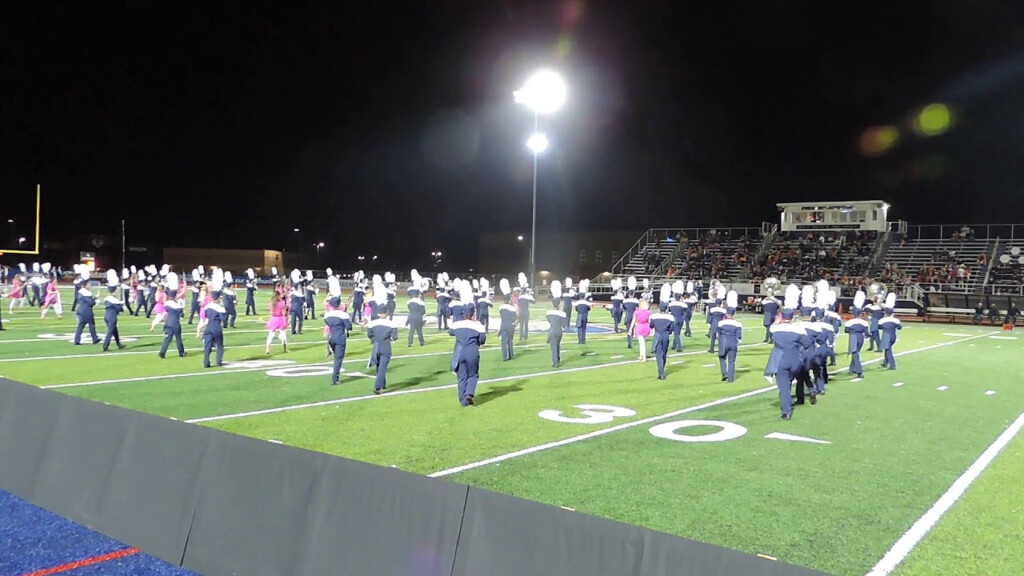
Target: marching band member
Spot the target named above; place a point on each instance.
(204, 300)
(678, 310)
(789, 340)
(806, 301)
(84, 311)
(525, 299)
(76, 283)
(52, 298)
(875, 313)
(339, 325)
(278, 321)
(648, 294)
(442, 298)
(889, 324)
(630, 304)
(556, 324)
(34, 296)
(857, 328)
(455, 304)
(213, 334)
(175, 314)
(770, 305)
(469, 337)
(392, 292)
(18, 289)
(111, 308)
(228, 300)
(358, 295)
(616, 306)
(159, 308)
(310, 291)
(691, 305)
(715, 314)
(382, 332)
(568, 296)
(661, 323)
(483, 304)
(417, 308)
(197, 285)
(297, 300)
(250, 292)
(836, 322)
(826, 339)
(583, 304)
(507, 329)
(730, 333)
(126, 291)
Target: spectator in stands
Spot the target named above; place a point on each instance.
(993, 314)
(979, 311)
(1012, 314)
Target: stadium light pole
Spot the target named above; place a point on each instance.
(544, 93)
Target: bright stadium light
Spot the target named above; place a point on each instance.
(544, 92)
(538, 143)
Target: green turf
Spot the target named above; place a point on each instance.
(984, 532)
(835, 507)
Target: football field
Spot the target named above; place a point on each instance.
(850, 486)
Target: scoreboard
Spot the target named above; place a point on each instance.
(838, 216)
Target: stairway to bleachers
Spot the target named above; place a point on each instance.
(935, 263)
(648, 258)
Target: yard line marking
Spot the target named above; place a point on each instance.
(1003, 337)
(594, 434)
(412, 391)
(674, 362)
(616, 357)
(942, 388)
(912, 537)
(149, 335)
(956, 334)
(627, 425)
(990, 393)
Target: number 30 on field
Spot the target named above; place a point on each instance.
(602, 414)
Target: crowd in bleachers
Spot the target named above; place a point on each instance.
(712, 255)
(842, 258)
(947, 268)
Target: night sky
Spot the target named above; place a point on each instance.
(389, 127)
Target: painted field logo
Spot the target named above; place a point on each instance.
(257, 364)
(727, 431)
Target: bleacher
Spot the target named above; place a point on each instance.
(649, 257)
(1008, 268)
(720, 257)
(800, 257)
(939, 260)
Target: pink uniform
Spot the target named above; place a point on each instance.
(277, 318)
(643, 325)
(202, 310)
(51, 293)
(158, 308)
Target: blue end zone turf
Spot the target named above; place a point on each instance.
(32, 539)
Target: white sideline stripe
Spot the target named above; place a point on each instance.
(596, 433)
(413, 391)
(240, 370)
(912, 537)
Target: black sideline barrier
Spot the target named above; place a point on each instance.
(217, 503)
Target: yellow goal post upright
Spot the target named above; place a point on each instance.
(18, 250)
